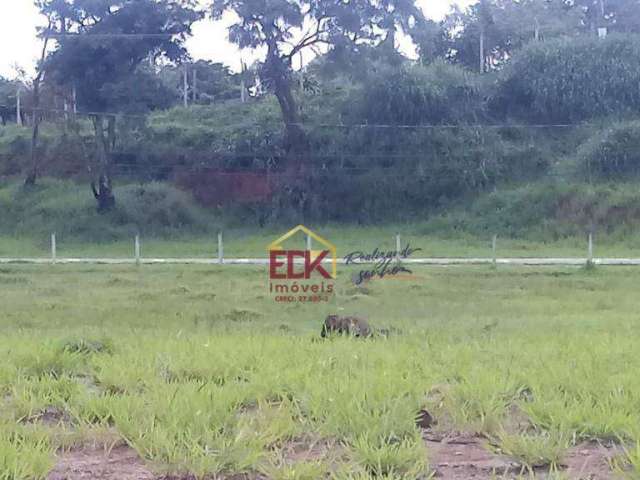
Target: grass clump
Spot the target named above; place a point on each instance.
(534, 450)
(390, 457)
(24, 455)
(87, 346)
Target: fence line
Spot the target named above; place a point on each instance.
(220, 259)
(442, 261)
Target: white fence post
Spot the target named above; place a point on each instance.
(398, 247)
(309, 242)
(54, 253)
(137, 249)
(494, 242)
(220, 249)
(590, 249)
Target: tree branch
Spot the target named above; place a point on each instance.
(310, 39)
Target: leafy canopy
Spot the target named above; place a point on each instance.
(101, 43)
(276, 23)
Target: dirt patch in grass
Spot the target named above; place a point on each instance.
(462, 456)
(50, 416)
(590, 461)
(308, 449)
(459, 456)
(98, 463)
(235, 476)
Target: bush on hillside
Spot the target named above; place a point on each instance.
(438, 93)
(157, 207)
(613, 153)
(571, 80)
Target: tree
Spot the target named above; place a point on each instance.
(489, 32)
(8, 95)
(616, 15)
(323, 24)
(208, 82)
(37, 114)
(100, 46)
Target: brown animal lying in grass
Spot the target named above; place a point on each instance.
(355, 326)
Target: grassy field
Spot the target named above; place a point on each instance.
(200, 372)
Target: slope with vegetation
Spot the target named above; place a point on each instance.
(382, 138)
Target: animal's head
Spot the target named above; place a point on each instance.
(332, 322)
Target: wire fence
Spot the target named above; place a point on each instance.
(219, 248)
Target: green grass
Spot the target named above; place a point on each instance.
(200, 371)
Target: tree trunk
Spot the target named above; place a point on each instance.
(36, 117)
(105, 142)
(482, 59)
(32, 176)
(296, 188)
(296, 144)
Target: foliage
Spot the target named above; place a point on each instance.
(62, 207)
(271, 26)
(613, 153)
(571, 80)
(381, 137)
(413, 95)
(102, 56)
(505, 26)
(8, 97)
(545, 211)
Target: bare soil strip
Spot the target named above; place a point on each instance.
(452, 457)
(463, 456)
(590, 461)
(98, 463)
(460, 457)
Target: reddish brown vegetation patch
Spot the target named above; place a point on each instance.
(214, 187)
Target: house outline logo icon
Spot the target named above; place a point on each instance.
(330, 247)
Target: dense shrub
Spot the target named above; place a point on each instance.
(233, 133)
(412, 95)
(570, 80)
(612, 153)
(157, 207)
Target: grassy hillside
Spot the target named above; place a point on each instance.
(69, 209)
(546, 212)
(534, 220)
